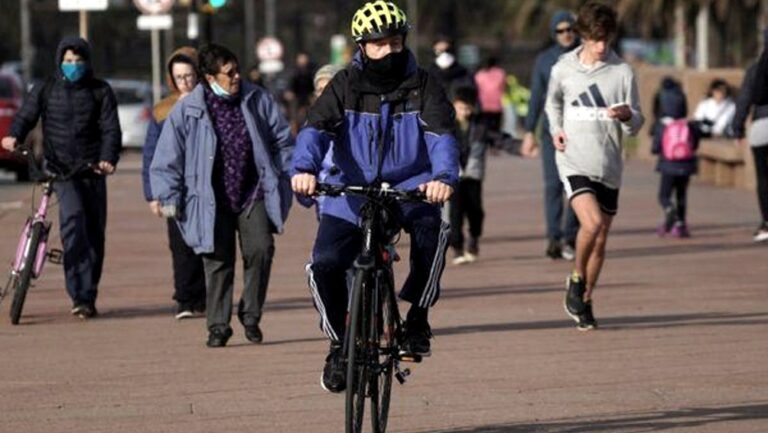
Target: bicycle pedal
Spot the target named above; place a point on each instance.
(56, 256)
(402, 375)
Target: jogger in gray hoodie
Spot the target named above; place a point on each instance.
(592, 100)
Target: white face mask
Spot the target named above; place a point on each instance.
(445, 60)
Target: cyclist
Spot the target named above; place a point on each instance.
(80, 125)
(592, 101)
(390, 122)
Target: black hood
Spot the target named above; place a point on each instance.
(81, 46)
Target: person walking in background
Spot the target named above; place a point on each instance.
(323, 76)
(675, 141)
(80, 126)
(221, 170)
(715, 113)
(753, 99)
(561, 233)
(446, 68)
(491, 82)
(591, 101)
(468, 199)
(188, 274)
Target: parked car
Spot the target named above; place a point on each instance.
(11, 95)
(134, 108)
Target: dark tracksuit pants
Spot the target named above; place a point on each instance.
(188, 273)
(82, 223)
(553, 194)
(467, 202)
(679, 186)
(338, 244)
(257, 247)
(760, 155)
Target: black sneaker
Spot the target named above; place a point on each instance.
(218, 337)
(84, 311)
(586, 320)
(416, 341)
(574, 297)
(761, 234)
(554, 250)
(334, 378)
(184, 311)
(253, 334)
(473, 246)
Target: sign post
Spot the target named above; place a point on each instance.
(155, 19)
(83, 6)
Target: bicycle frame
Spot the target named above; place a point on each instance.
(23, 247)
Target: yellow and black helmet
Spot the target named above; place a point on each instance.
(378, 19)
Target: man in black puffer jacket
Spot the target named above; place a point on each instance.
(80, 126)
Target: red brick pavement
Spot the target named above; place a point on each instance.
(683, 344)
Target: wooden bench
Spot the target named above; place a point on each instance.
(721, 163)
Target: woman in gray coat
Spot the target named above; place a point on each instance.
(221, 168)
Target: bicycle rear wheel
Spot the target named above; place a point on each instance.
(380, 387)
(25, 275)
(357, 354)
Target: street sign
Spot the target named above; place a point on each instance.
(154, 6)
(269, 48)
(154, 22)
(82, 5)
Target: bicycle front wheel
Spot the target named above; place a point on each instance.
(25, 275)
(357, 354)
(385, 331)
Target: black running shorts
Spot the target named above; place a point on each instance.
(607, 198)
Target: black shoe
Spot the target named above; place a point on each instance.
(334, 378)
(554, 250)
(253, 334)
(218, 337)
(85, 311)
(184, 311)
(586, 320)
(416, 341)
(198, 308)
(574, 296)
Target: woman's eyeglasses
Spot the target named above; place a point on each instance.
(564, 30)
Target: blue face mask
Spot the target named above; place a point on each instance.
(73, 71)
(219, 91)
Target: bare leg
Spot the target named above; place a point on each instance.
(592, 221)
(597, 256)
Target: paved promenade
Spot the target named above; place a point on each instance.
(682, 344)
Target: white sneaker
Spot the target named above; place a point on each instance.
(470, 258)
(761, 235)
(460, 260)
(568, 252)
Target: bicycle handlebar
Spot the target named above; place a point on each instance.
(384, 191)
(82, 167)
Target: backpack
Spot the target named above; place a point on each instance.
(677, 141)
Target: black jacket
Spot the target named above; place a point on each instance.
(754, 92)
(80, 122)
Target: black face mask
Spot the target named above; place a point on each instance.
(387, 72)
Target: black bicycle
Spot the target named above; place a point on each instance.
(375, 329)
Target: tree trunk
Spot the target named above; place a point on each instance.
(680, 34)
(702, 37)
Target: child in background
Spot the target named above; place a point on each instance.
(675, 141)
(473, 138)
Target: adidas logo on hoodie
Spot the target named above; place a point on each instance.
(589, 106)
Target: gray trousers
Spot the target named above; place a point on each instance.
(257, 247)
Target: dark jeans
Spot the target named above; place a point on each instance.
(338, 244)
(188, 273)
(82, 222)
(553, 195)
(678, 185)
(257, 247)
(466, 202)
(760, 155)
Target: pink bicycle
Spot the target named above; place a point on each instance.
(32, 250)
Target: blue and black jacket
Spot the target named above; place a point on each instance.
(403, 137)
